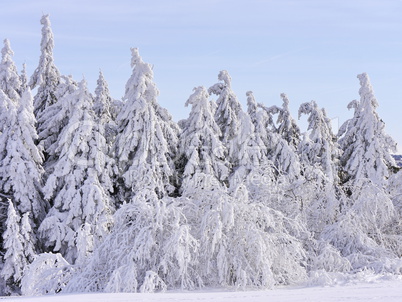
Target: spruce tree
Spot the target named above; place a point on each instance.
(104, 109)
(261, 121)
(14, 259)
(46, 76)
(367, 148)
(321, 149)
(250, 155)
(103, 100)
(10, 81)
(53, 120)
(287, 126)
(227, 113)
(319, 155)
(283, 138)
(21, 165)
(365, 231)
(74, 187)
(24, 78)
(200, 145)
(146, 141)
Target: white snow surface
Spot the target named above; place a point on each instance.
(375, 290)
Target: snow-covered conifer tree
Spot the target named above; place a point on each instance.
(367, 148)
(24, 78)
(19, 246)
(265, 130)
(10, 81)
(322, 149)
(102, 100)
(283, 138)
(146, 141)
(14, 258)
(46, 76)
(227, 114)
(103, 107)
(74, 187)
(365, 234)
(320, 153)
(285, 162)
(251, 153)
(105, 116)
(53, 120)
(260, 119)
(287, 126)
(21, 165)
(28, 237)
(6, 105)
(200, 144)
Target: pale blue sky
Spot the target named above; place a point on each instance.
(309, 49)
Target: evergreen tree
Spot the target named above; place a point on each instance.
(53, 120)
(46, 76)
(250, 154)
(103, 100)
(367, 148)
(282, 139)
(200, 145)
(227, 114)
(103, 108)
(75, 184)
(146, 141)
(287, 126)
(365, 232)
(261, 121)
(10, 81)
(321, 149)
(28, 238)
(395, 192)
(24, 78)
(14, 259)
(320, 153)
(6, 105)
(21, 165)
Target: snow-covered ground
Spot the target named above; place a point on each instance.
(384, 291)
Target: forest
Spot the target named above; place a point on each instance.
(105, 195)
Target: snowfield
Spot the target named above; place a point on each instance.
(384, 291)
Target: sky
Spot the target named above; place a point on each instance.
(308, 49)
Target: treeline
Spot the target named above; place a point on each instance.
(99, 194)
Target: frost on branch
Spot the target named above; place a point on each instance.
(149, 249)
(241, 243)
(47, 274)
